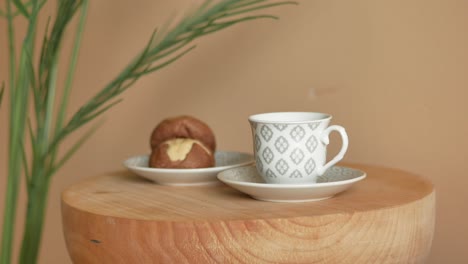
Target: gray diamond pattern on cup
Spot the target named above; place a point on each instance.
(270, 174)
(268, 155)
(281, 144)
(297, 156)
(282, 166)
(311, 144)
(258, 143)
(266, 133)
(295, 174)
(259, 164)
(310, 166)
(313, 126)
(280, 127)
(297, 133)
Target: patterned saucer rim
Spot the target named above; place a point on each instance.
(224, 177)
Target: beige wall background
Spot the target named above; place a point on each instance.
(394, 73)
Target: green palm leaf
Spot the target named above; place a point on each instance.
(168, 46)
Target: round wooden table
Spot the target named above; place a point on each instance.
(122, 218)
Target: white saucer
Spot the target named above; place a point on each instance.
(248, 181)
(183, 177)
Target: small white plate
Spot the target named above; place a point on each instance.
(183, 177)
(247, 180)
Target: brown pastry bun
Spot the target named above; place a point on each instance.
(183, 127)
(181, 153)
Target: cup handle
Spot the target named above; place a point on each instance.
(326, 140)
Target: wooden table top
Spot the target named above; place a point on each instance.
(125, 195)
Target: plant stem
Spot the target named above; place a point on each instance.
(19, 94)
(35, 215)
(70, 74)
(14, 168)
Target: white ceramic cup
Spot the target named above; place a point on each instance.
(291, 147)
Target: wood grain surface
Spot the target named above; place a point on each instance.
(122, 218)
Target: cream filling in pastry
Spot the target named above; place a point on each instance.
(179, 148)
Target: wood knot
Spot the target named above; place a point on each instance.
(95, 241)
